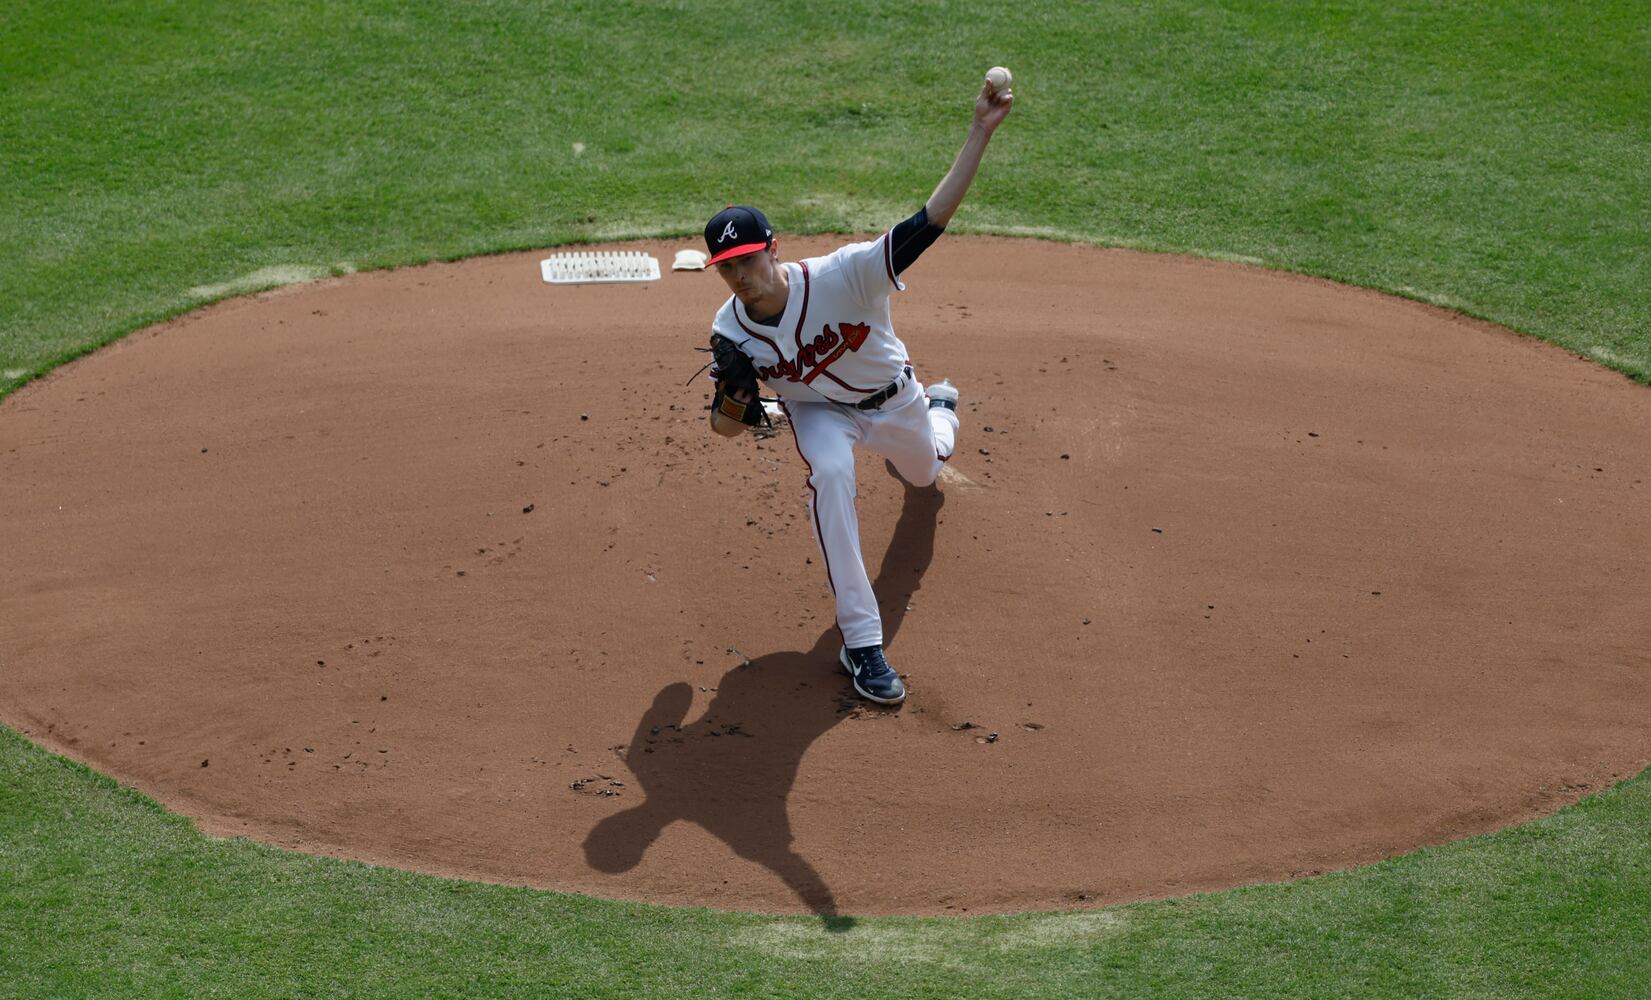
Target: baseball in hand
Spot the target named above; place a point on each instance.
(999, 78)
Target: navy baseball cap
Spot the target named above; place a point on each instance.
(736, 231)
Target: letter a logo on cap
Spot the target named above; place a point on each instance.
(736, 231)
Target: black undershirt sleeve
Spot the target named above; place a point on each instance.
(911, 237)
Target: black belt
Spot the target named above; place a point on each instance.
(877, 399)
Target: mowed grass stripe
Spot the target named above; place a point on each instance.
(156, 155)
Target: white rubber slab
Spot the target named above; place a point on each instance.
(588, 267)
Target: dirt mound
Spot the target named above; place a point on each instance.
(1237, 576)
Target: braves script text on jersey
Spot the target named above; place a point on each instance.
(834, 345)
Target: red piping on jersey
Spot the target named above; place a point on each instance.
(757, 335)
(888, 257)
(814, 508)
(850, 388)
(802, 314)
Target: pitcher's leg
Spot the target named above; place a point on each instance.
(915, 438)
(943, 424)
(825, 437)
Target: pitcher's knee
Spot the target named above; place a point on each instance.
(831, 472)
(922, 475)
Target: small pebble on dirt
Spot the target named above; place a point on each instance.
(528, 509)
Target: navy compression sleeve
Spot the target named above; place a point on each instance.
(911, 238)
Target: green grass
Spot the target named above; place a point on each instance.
(154, 156)
(1496, 160)
(106, 894)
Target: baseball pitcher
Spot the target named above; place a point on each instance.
(817, 333)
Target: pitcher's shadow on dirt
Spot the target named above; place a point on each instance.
(731, 771)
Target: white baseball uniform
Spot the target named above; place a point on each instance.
(833, 347)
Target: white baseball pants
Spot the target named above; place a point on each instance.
(916, 439)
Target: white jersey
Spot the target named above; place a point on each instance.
(835, 340)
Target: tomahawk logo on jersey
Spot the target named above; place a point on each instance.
(835, 340)
(814, 358)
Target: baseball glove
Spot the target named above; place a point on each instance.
(733, 372)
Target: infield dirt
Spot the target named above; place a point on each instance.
(1240, 576)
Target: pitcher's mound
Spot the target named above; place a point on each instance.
(1236, 576)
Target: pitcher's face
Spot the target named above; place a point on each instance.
(753, 276)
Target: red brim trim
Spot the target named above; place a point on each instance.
(739, 251)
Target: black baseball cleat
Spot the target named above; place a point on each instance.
(944, 394)
(873, 678)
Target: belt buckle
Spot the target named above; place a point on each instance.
(888, 392)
